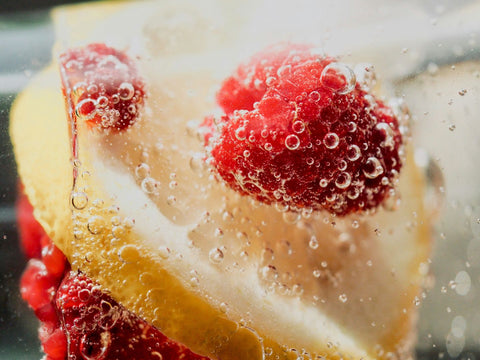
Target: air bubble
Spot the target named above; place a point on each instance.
(126, 91)
(388, 132)
(241, 133)
(338, 77)
(102, 101)
(93, 346)
(216, 256)
(343, 298)
(269, 273)
(86, 109)
(292, 142)
(331, 140)
(373, 168)
(129, 254)
(149, 185)
(291, 217)
(365, 74)
(268, 146)
(142, 171)
(353, 152)
(343, 180)
(95, 224)
(79, 200)
(298, 127)
(313, 243)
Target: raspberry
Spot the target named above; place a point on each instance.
(98, 327)
(103, 85)
(30, 231)
(78, 321)
(299, 131)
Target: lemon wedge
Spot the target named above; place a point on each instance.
(228, 277)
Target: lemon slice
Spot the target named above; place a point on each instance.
(228, 277)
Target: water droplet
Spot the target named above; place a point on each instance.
(343, 180)
(373, 168)
(79, 200)
(338, 77)
(215, 256)
(331, 140)
(126, 91)
(292, 142)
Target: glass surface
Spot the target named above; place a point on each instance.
(436, 68)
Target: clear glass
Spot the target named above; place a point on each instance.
(427, 52)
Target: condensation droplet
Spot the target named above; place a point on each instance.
(338, 77)
(331, 140)
(292, 142)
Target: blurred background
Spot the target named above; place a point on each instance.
(443, 93)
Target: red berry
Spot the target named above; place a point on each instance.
(103, 85)
(54, 343)
(53, 258)
(299, 131)
(37, 286)
(98, 327)
(30, 231)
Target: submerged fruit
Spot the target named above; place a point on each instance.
(228, 277)
(299, 131)
(104, 86)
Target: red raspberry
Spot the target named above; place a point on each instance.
(104, 87)
(98, 327)
(299, 131)
(30, 231)
(71, 306)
